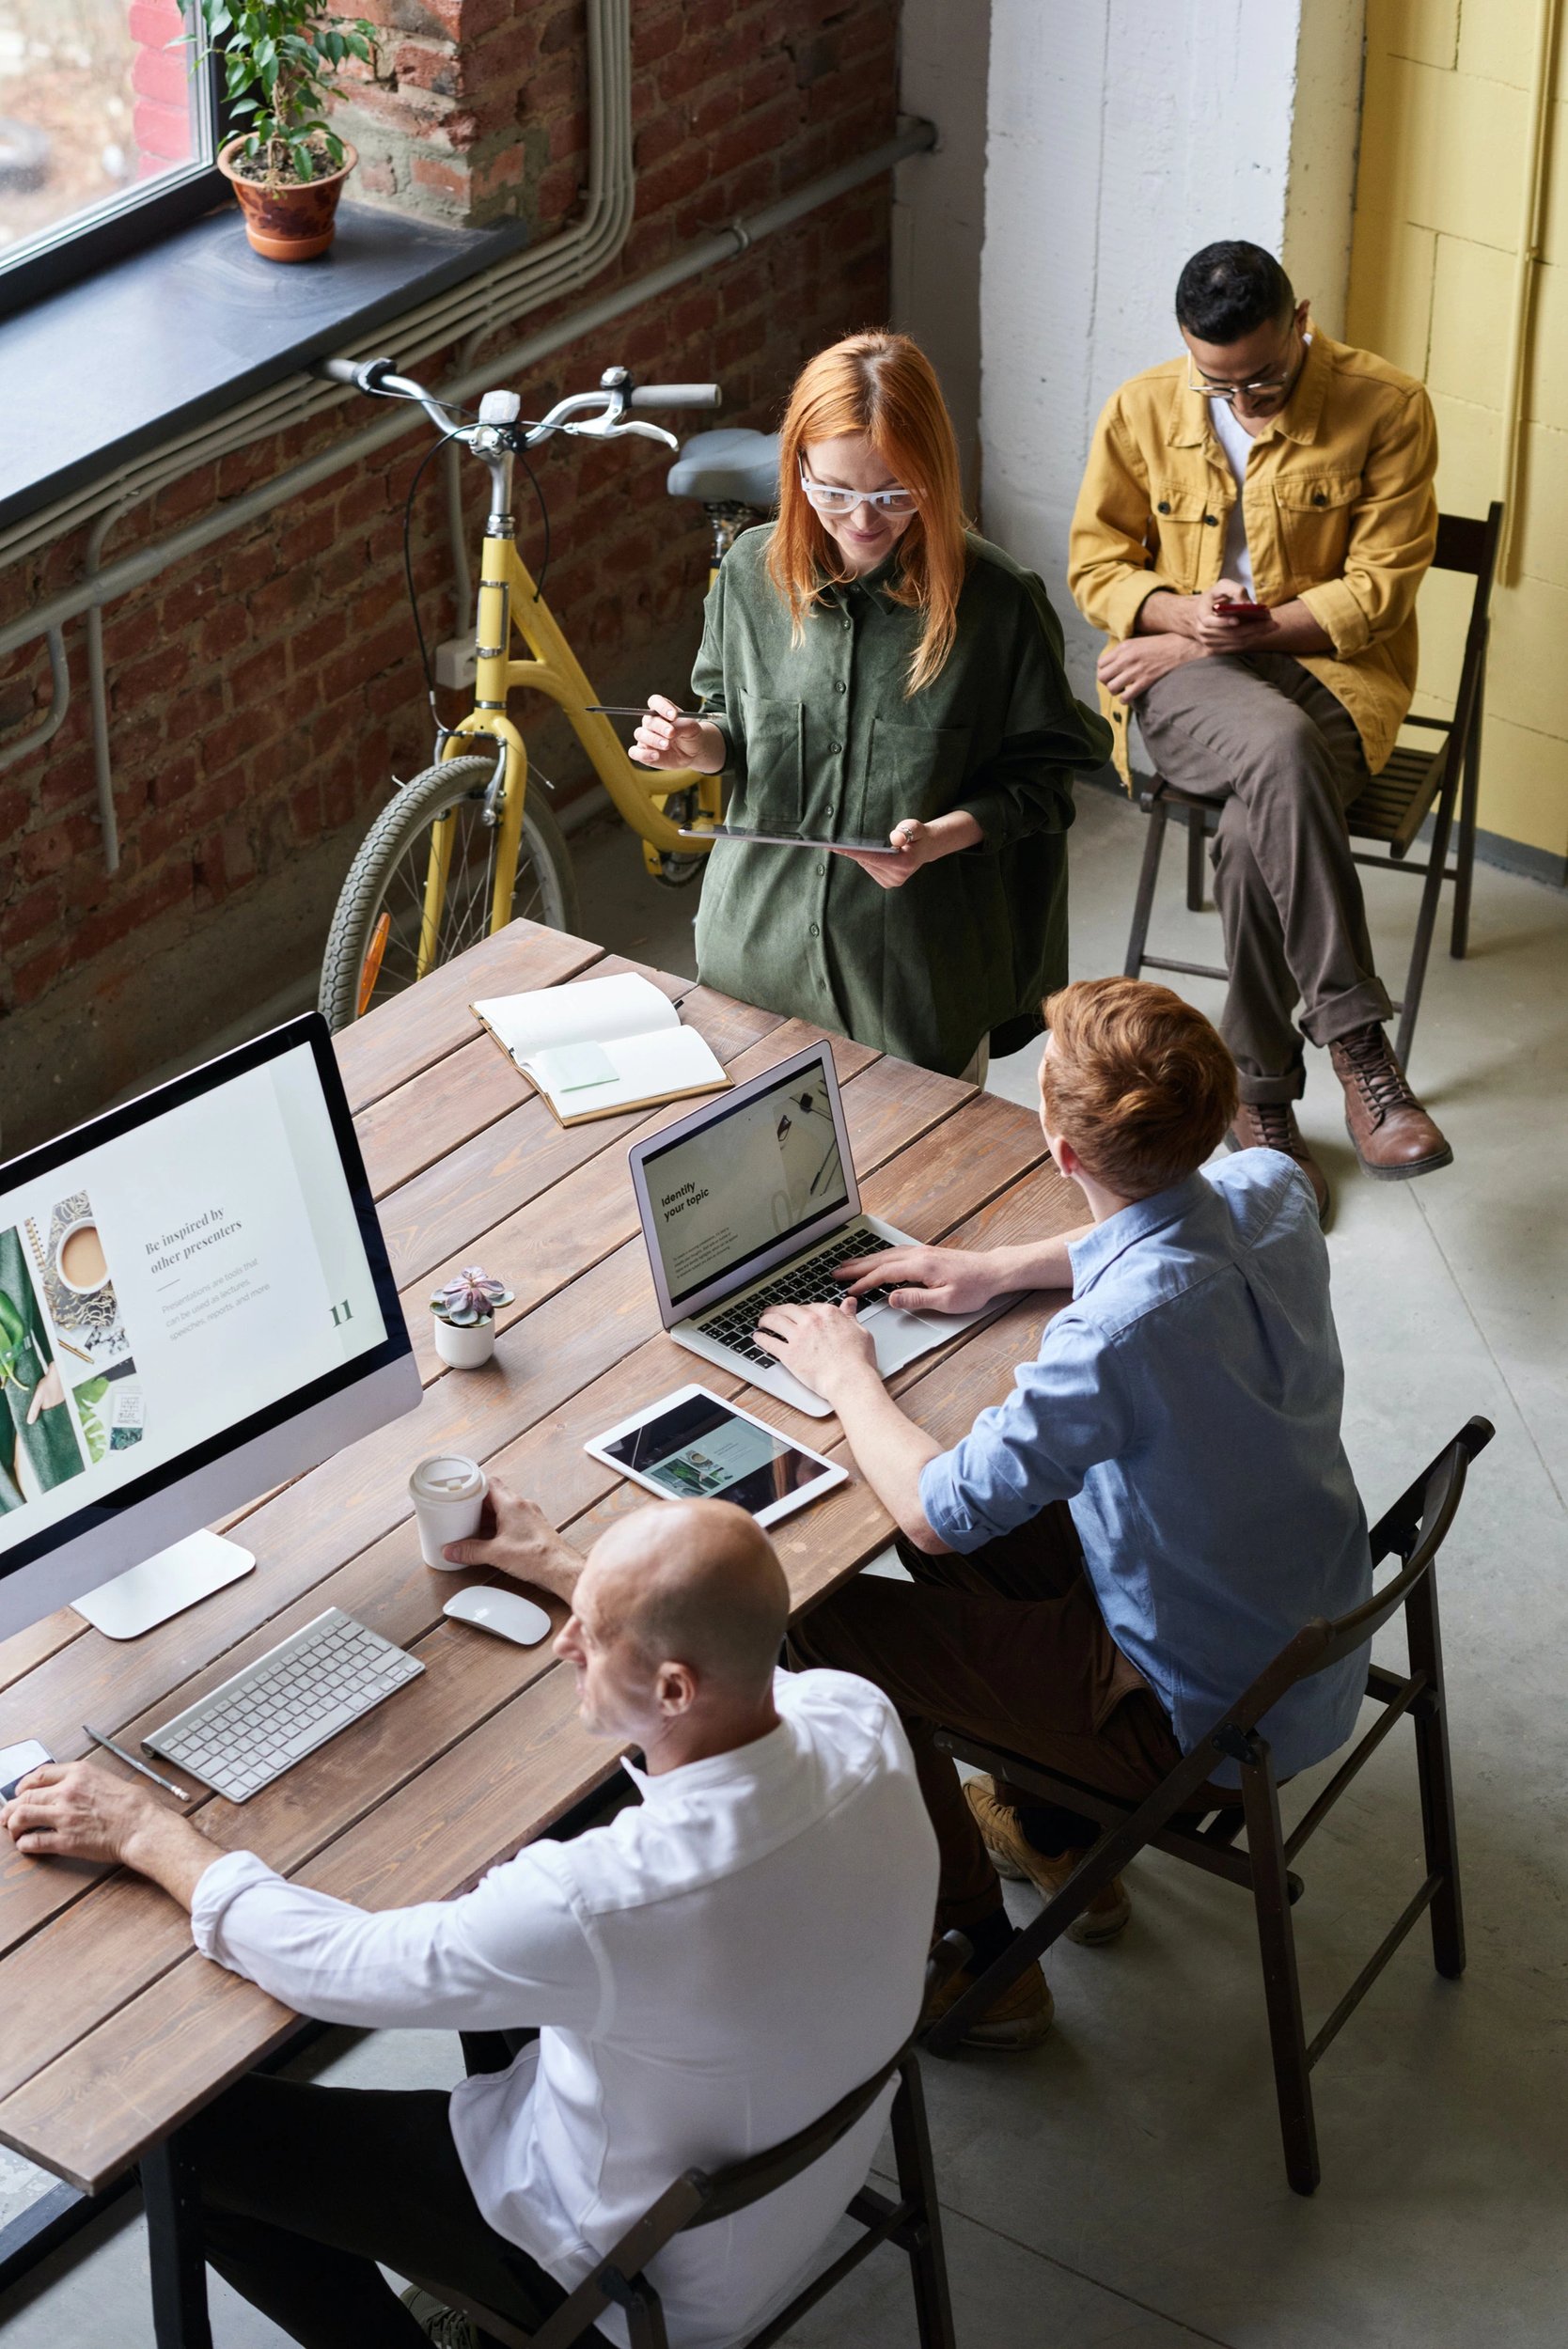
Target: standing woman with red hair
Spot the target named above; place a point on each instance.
(872, 670)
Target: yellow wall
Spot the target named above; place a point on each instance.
(1439, 195)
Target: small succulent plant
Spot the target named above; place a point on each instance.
(471, 1298)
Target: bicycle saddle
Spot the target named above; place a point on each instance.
(731, 467)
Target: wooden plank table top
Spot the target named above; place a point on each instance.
(114, 2028)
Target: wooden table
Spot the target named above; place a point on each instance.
(114, 2029)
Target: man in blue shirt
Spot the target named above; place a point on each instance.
(1112, 1553)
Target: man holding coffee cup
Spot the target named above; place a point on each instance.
(671, 1962)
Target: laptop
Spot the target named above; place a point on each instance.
(752, 1202)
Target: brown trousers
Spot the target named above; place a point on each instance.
(1258, 732)
(1009, 1645)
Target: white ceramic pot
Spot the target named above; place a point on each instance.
(464, 1349)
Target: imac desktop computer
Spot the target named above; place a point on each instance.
(195, 1306)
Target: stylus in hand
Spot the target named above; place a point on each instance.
(624, 710)
(132, 1763)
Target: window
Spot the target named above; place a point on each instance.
(106, 136)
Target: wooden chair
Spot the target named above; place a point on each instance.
(701, 2199)
(1392, 808)
(1172, 1819)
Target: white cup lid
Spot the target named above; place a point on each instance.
(447, 1477)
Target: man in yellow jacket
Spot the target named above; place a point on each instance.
(1270, 466)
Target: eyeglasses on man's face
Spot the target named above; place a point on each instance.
(1260, 387)
(827, 497)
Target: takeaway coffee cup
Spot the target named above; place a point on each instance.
(449, 1493)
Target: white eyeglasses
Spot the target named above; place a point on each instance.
(827, 499)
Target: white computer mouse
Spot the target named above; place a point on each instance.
(505, 1612)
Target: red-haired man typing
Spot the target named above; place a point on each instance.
(1111, 1553)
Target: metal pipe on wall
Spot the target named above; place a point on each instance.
(98, 698)
(1530, 231)
(53, 718)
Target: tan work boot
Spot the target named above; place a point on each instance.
(1020, 2017)
(1271, 1125)
(1393, 1136)
(1012, 1854)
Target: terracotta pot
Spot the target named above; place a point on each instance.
(289, 224)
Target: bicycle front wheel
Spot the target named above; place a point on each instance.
(372, 951)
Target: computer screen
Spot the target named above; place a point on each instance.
(750, 1176)
(178, 1278)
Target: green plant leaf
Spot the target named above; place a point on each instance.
(89, 1396)
(13, 1337)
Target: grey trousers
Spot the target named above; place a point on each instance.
(1258, 732)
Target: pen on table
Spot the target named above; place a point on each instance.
(130, 1759)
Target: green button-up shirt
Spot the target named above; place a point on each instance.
(822, 740)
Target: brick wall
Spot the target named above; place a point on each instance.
(161, 119)
(263, 693)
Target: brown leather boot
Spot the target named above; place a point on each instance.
(1393, 1136)
(1271, 1125)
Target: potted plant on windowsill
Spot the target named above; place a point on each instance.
(287, 166)
(464, 1317)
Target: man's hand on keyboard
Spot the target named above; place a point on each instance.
(517, 1538)
(822, 1345)
(77, 1810)
(943, 1280)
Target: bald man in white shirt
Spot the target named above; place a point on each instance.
(708, 1973)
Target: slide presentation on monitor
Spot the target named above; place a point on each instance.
(160, 1289)
(765, 1169)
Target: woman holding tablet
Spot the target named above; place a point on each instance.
(872, 672)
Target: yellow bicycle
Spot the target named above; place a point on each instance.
(463, 848)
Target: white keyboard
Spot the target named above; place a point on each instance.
(291, 1701)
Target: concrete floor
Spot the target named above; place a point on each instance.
(1122, 2185)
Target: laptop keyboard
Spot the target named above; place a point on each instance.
(808, 1282)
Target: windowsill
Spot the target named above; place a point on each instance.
(171, 337)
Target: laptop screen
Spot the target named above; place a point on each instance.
(753, 1174)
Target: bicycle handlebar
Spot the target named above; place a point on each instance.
(615, 397)
(676, 396)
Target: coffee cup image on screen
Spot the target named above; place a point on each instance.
(169, 1283)
(744, 1180)
(79, 1295)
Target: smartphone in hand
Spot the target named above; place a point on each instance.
(1237, 607)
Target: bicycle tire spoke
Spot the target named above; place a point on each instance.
(472, 859)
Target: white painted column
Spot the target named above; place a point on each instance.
(1121, 136)
(939, 203)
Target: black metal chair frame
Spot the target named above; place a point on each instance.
(1181, 1817)
(698, 2198)
(1392, 809)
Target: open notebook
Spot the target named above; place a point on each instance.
(602, 1046)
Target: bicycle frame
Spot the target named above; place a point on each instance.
(509, 600)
